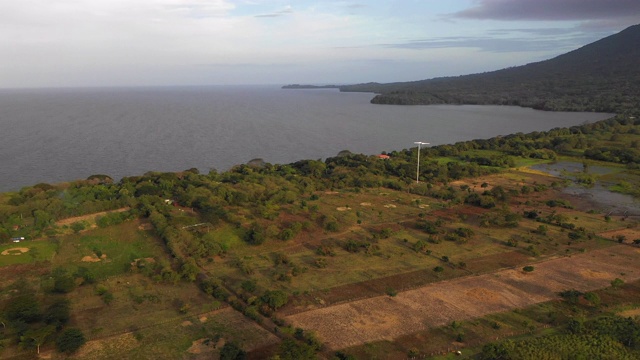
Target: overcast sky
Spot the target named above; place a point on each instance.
(60, 43)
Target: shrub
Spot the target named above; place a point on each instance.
(70, 340)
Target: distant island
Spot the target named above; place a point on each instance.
(304, 86)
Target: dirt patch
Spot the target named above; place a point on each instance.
(591, 274)
(141, 262)
(630, 313)
(331, 192)
(387, 318)
(200, 346)
(145, 226)
(94, 258)
(342, 208)
(186, 323)
(365, 204)
(69, 221)
(98, 348)
(482, 294)
(15, 251)
(629, 234)
(390, 206)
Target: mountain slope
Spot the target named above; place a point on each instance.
(602, 76)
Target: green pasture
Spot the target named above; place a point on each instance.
(38, 251)
(121, 244)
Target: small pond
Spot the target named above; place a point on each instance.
(599, 194)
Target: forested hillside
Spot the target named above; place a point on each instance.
(602, 76)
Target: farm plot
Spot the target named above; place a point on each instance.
(198, 337)
(386, 318)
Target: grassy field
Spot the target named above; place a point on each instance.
(109, 251)
(27, 252)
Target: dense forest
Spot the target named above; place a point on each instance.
(602, 76)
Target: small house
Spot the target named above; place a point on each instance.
(384, 157)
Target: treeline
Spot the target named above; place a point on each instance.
(264, 189)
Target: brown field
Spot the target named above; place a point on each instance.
(629, 234)
(387, 318)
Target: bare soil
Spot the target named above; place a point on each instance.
(15, 251)
(438, 304)
(71, 220)
(629, 234)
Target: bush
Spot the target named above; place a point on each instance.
(528, 268)
(231, 351)
(70, 340)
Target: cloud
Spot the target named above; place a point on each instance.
(498, 45)
(555, 10)
(283, 12)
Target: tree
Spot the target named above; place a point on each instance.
(70, 340)
(572, 296)
(37, 337)
(617, 282)
(58, 313)
(78, 226)
(494, 352)
(593, 298)
(528, 268)
(231, 351)
(294, 350)
(63, 283)
(275, 299)
(23, 308)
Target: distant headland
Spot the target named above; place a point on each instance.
(304, 86)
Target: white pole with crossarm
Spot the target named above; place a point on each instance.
(418, 167)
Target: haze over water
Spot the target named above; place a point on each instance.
(59, 135)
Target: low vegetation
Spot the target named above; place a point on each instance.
(180, 264)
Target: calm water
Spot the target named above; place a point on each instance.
(59, 135)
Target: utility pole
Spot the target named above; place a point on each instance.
(418, 167)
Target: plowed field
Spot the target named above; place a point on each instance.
(386, 318)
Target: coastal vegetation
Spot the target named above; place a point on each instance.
(493, 252)
(240, 261)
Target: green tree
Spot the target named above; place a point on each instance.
(23, 308)
(70, 340)
(231, 351)
(37, 337)
(593, 298)
(295, 350)
(617, 282)
(58, 313)
(63, 283)
(275, 298)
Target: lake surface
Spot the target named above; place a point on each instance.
(57, 135)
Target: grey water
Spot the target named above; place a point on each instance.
(56, 135)
(604, 200)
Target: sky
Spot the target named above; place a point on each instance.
(77, 43)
